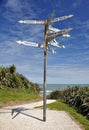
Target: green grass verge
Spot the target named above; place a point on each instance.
(13, 94)
(64, 107)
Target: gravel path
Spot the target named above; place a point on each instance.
(25, 117)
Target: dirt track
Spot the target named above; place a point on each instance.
(25, 117)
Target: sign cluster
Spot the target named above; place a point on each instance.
(50, 35)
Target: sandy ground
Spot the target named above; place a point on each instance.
(26, 117)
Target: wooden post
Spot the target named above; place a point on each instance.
(45, 64)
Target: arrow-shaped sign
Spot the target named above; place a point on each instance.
(58, 34)
(43, 21)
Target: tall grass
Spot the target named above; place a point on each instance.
(13, 94)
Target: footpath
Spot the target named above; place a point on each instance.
(26, 117)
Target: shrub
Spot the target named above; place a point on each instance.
(10, 78)
(77, 97)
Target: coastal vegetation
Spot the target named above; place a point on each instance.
(61, 106)
(15, 86)
(76, 97)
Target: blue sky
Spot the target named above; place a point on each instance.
(69, 65)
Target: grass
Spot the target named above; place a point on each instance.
(58, 105)
(13, 94)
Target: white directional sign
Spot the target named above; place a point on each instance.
(38, 45)
(31, 22)
(51, 29)
(56, 44)
(62, 18)
(58, 34)
(43, 21)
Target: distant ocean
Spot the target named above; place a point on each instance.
(53, 87)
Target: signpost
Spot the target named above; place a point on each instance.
(49, 40)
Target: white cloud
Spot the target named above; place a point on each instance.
(76, 3)
(68, 74)
(14, 5)
(17, 9)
